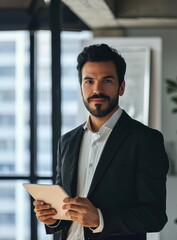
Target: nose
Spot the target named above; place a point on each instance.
(98, 88)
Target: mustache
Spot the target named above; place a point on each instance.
(98, 96)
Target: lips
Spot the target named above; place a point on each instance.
(98, 100)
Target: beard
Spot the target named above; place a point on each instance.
(97, 111)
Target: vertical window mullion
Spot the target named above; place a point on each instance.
(33, 127)
(55, 25)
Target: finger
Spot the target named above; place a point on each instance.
(46, 214)
(74, 207)
(42, 208)
(71, 213)
(74, 219)
(67, 200)
(38, 203)
(47, 219)
(76, 200)
(82, 219)
(44, 220)
(78, 204)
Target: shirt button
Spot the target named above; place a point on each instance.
(90, 165)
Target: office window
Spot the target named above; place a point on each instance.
(7, 46)
(13, 111)
(7, 145)
(7, 96)
(14, 157)
(14, 211)
(7, 71)
(7, 120)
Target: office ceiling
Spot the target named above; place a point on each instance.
(89, 14)
(125, 13)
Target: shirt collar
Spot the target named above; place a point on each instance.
(109, 124)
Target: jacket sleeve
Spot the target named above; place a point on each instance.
(61, 225)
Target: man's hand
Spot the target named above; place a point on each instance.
(44, 212)
(81, 210)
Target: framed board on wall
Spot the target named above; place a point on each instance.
(137, 79)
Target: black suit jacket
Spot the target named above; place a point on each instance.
(129, 184)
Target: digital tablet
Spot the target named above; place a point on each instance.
(52, 194)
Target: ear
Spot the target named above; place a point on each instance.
(122, 88)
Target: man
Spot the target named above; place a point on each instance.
(112, 167)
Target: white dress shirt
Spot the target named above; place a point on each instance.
(90, 152)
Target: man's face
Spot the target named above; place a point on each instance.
(100, 88)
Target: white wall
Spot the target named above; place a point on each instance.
(169, 70)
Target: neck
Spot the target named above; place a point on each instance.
(97, 122)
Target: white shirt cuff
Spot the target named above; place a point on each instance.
(101, 225)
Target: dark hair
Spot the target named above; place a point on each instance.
(101, 53)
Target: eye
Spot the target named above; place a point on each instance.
(108, 80)
(88, 81)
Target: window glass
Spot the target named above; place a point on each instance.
(7, 71)
(14, 211)
(73, 112)
(7, 46)
(14, 59)
(7, 95)
(44, 129)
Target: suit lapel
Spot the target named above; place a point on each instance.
(118, 134)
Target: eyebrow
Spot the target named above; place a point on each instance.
(107, 76)
(86, 78)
